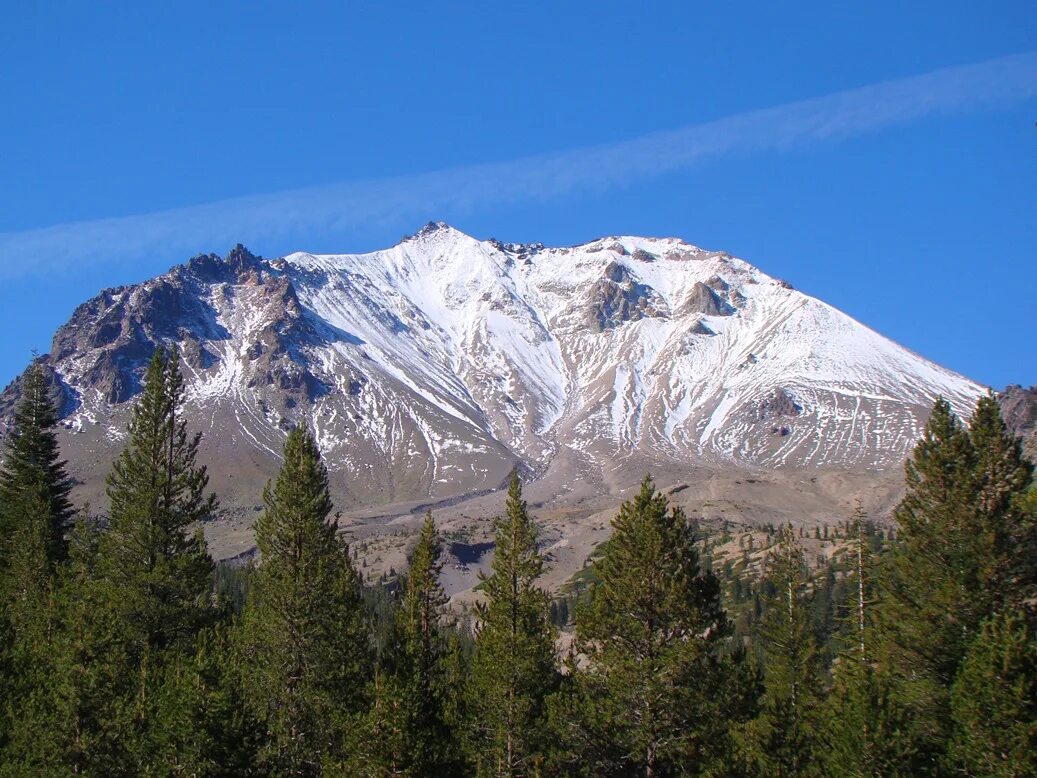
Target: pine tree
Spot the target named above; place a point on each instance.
(864, 730)
(1002, 535)
(156, 569)
(303, 647)
(410, 731)
(132, 601)
(956, 563)
(781, 740)
(35, 512)
(659, 683)
(514, 663)
(994, 701)
(33, 469)
(930, 582)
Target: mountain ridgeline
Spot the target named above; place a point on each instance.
(430, 370)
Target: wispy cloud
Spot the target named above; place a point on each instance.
(342, 206)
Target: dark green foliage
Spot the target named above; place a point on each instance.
(781, 740)
(302, 648)
(657, 688)
(994, 701)
(81, 714)
(127, 613)
(1022, 571)
(35, 513)
(408, 728)
(867, 732)
(957, 561)
(33, 474)
(126, 652)
(513, 667)
(931, 594)
(864, 729)
(230, 587)
(381, 602)
(158, 571)
(1002, 477)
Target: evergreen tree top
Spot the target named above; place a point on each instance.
(157, 493)
(157, 472)
(1002, 468)
(32, 463)
(298, 504)
(517, 561)
(649, 580)
(424, 595)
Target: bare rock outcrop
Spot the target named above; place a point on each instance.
(1019, 409)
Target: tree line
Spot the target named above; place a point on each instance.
(125, 651)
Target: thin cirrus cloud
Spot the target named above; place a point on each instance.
(392, 200)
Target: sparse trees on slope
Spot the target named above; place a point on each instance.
(514, 662)
(658, 683)
(303, 646)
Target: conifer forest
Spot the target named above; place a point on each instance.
(125, 650)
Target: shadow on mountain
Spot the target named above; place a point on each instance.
(469, 553)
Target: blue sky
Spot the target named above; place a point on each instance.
(880, 158)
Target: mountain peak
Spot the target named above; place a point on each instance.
(449, 360)
(210, 267)
(239, 255)
(435, 229)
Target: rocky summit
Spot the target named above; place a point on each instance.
(430, 370)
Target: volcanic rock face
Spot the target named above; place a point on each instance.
(1019, 409)
(702, 299)
(433, 368)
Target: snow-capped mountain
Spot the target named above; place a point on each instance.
(432, 368)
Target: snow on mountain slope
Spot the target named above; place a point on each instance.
(628, 343)
(434, 367)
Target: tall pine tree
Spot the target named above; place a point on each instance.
(35, 512)
(994, 701)
(659, 682)
(34, 485)
(153, 556)
(131, 604)
(781, 741)
(956, 563)
(1003, 535)
(930, 582)
(410, 730)
(514, 663)
(303, 646)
